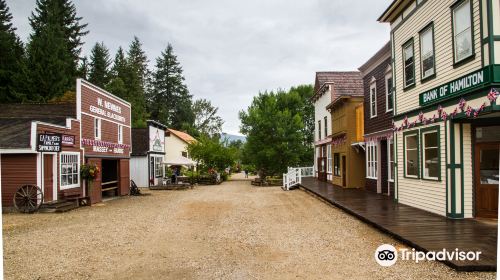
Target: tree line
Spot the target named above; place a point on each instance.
(46, 67)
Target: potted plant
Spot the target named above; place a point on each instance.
(89, 172)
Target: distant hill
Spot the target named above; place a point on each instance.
(232, 137)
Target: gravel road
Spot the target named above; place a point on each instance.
(230, 231)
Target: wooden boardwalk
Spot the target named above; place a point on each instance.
(419, 229)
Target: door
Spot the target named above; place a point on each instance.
(48, 177)
(486, 179)
(322, 168)
(344, 172)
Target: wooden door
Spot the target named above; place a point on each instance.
(486, 179)
(322, 169)
(48, 178)
(344, 171)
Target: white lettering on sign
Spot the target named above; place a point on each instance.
(99, 149)
(108, 110)
(467, 82)
(118, 150)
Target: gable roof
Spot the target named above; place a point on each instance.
(342, 82)
(383, 53)
(15, 121)
(182, 135)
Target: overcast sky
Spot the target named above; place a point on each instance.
(232, 49)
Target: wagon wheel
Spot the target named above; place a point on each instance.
(28, 198)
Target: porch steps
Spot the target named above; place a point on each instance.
(58, 206)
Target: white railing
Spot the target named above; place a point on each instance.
(294, 176)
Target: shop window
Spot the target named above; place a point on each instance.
(371, 160)
(427, 57)
(336, 164)
(373, 100)
(409, 64)
(97, 128)
(462, 31)
(430, 155)
(158, 167)
(411, 155)
(389, 103)
(120, 134)
(390, 161)
(70, 168)
(329, 156)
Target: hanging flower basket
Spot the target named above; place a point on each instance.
(89, 172)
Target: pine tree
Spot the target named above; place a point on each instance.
(135, 82)
(54, 48)
(118, 75)
(11, 55)
(170, 101)
(99, 72)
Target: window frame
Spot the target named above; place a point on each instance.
(405, 135)
(319, 129)
(120, 134)
(97, 128)
(428, 27)
(389, 88)
(404, 46)
(329, 161)
(73, 185)
(453, 8)
(336, 165)
(423, 131)
(372, 157)
(326, 125)
(373, 100)
(390, 167)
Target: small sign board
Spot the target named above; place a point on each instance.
(68, 140)
(48, 142)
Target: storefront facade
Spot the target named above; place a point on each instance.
(105, 139)
(446, 111)
(148, 152)
(378, 134)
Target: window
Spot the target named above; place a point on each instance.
(97, 128)
(371, 160)
(390, 161)
(409, 64)
(373, 100)
(427, 60)
(430, 155)
(462, 31)
(389, 105)
(326, 126)
(411, 155)
(336, 164)
(184, 154)
(319, 130)
(70, 169)
(120, 134)
(329, 156)
(158, 167)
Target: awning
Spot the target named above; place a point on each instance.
(358, 145)
(181, 161)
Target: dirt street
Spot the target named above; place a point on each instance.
(230, 231)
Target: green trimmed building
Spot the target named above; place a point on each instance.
(446, 73)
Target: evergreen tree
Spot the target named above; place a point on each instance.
(170, 101)
(83, 68)
(135, 82)
(118, 75)
(11, 55)
(99, 65)
(54, 48)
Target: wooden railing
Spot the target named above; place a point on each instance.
(294, 176)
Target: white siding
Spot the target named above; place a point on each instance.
(468, 184)
(174, 147)
(440, 13)
(320, 113)
(424, 194)
(139, 171)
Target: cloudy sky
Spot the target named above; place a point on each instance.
(232, 49)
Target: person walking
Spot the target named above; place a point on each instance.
(246, 173)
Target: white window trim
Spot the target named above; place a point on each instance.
(72, 186)
(373, 86)
(120, 134)
(389, 174)
(406, 156)
(468, 3)
(387, 87)
(412, 46)
(423, 154)
(97, 132)
(329, 162)
(372, 174)
(422, 33)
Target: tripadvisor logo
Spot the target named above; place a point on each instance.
(387, 255)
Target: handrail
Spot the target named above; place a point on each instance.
(294, 176)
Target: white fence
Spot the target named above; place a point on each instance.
(294, 176)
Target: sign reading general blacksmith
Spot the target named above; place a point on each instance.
(455, 87)
(48, 142)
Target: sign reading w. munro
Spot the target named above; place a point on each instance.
(455, 87)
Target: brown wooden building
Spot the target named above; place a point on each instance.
(95, 128)
(378, 134)
(346, 111)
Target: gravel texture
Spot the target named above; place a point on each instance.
(230, 231)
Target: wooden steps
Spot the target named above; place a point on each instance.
(58, 206)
